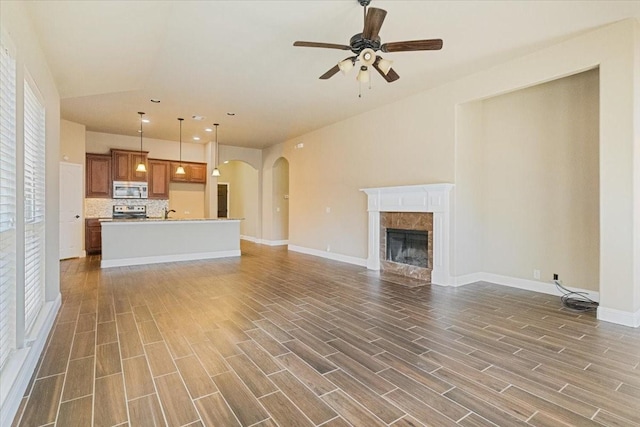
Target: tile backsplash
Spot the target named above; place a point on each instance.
(103, 208)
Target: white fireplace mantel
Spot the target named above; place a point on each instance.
(433, 198)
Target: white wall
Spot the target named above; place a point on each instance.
(16, 25)
(415, 140)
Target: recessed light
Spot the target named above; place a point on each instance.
(146, 121)
(196, 138)
(198, 118)
(155, 101)
(225, 162)
(231, 113)
(208, 130)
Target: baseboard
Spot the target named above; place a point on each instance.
(167, 258)
(467, 279)
(515, 282)
(18, 370)
(625, 318)
(275, 242)
(329, 255)
(250, 239)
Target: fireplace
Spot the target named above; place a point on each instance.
(424, 207)
(407, 247)
(406, 242)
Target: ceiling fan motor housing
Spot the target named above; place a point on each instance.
(358, 44)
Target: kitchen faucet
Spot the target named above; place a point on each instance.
(167, 212)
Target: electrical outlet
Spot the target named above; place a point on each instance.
(536, 274)
(327, 209)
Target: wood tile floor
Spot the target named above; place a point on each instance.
(278, 338)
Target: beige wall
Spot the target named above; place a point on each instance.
(281, 199)
(187, 199)
(415, 140)
(72, 142)
(540, 182)
(243, 195)
(101, 143)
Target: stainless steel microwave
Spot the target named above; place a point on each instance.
(130, 190)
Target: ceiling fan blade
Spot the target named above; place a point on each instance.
(323, 45)
(373, 22)
(433, 44)
(330, 73)
(391, 75)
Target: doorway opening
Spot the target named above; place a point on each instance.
(223, 200)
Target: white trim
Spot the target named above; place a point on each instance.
(168, 258)
(83, 254)
(250, 239)
(467, 279)
(21, 365)
(515, 282)
(274, 242)
(625, 318)
(329, 255)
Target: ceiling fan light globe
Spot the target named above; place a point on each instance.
(345, 65)
(367, 57)
(363, 75)
(384, 65)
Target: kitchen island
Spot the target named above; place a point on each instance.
(155, 240)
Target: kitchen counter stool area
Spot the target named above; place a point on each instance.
(137, 242)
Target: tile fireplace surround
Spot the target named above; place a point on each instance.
(434, 198)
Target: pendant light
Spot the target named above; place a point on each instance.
(180, 169)
(141, 166)
(216, 171)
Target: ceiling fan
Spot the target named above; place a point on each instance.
(364, 46)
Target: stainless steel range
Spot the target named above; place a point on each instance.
(129, 212)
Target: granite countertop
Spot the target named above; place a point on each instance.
(161, 219)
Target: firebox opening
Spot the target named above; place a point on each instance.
(407, 247)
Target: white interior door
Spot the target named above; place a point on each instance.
(71, 211)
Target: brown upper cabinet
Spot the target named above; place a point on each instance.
(124, 163)
(195, 172)
(158, 171)
(98, 176)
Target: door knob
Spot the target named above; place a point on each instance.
(77, 216)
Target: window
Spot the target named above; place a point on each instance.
(7, 202)
(34, 198)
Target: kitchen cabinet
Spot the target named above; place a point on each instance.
(98, 176)
(198, 172)
(195, 172)
(158, 171)
(93, 236)
(124, 163)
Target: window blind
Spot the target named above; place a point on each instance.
(7, 203)
(34, 198)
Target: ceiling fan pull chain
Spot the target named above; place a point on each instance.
(359, 89)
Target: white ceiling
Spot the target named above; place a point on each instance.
(109, 58)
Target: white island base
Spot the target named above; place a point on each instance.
(137, 242)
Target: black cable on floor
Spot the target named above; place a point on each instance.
(576, 301)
